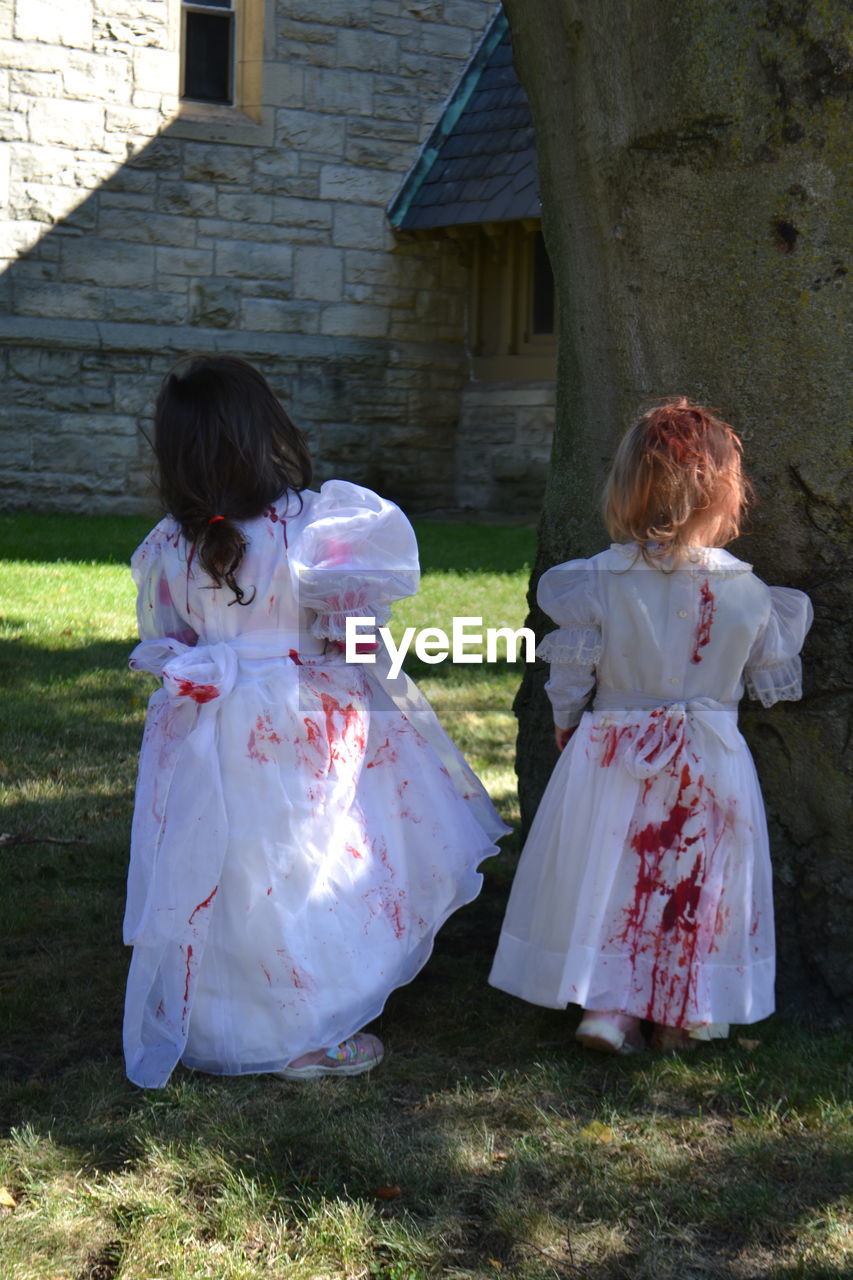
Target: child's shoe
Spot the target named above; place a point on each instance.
(361, 1053)
(672, 1039)
(610, 1032)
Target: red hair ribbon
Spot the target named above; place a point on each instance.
(213, 519)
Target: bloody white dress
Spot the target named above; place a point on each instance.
(645, 882)
(302, 826)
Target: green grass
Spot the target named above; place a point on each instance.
(515, 1154)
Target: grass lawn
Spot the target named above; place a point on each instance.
(487, 1144)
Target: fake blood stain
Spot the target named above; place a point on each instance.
(706, 617)
(201, 906)
(198, 692)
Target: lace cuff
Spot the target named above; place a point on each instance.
(776, 682)
(332, 625)
(580, 646)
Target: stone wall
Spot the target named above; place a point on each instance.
(136, 228)
(504, 446)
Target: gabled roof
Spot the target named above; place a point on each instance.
(479, 162)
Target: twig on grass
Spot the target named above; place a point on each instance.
(560, 1268)
(9, 837)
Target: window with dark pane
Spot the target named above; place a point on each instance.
(209, 51)
(543, 288)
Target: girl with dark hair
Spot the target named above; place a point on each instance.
(303, 826)
(644, 889)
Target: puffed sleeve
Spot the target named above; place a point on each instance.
(156, 613)
(566, 593)
(773, 671)
(354, 556)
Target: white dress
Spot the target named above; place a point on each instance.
(645, 882)
(302, 826)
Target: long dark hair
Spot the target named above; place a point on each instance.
(225, 448)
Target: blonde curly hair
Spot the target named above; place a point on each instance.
(676, 482)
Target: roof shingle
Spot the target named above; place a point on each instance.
(479, 163)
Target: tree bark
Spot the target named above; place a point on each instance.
(694, 166)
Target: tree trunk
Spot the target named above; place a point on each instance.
(693, 159)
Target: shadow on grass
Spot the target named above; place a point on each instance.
(478, 1116)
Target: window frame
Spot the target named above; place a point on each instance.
(253, 31)
(503, 343)
(203, 6)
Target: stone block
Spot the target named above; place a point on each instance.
(30, 271)
(13, 126)
(126, 200)
(58, 299)
(155, 70)
(475, 14)
(311, 32)
(197, 199)
(206, 163)
(318, 273)
(338, 13)
(133, 31)
(440, 40)
(89, 261)
(214, 304)
(305, 53)
(357, 225)
(284, 84)
(66, 450)
(146, 228)
(313, 214)
(385, 130)
(271, 315)
(357, 186)
(121, 179)
(135, 393)
(96, 78)
(44, 366)
(69, 23)
(145, 306)
(390, 24)
(367, 49)
(372, 153)
(346, 319)
(168, 104)
(242, 207)
(38, 202)
(134, 120)
(302, 188)
(254, 260)
(312, 132)
(166, 154)
(16, 447)
(184, 262)
(397, 107)
(270, 169)
(35, 84)
(75, 124)
(17, 238)
(255, 232)
(341, 92)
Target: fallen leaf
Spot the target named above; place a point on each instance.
(598, 1132)
(387, 1193)
(749, 1044)
(499, 1156)
(7, 1200)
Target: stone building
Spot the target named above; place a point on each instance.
(188, 175)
